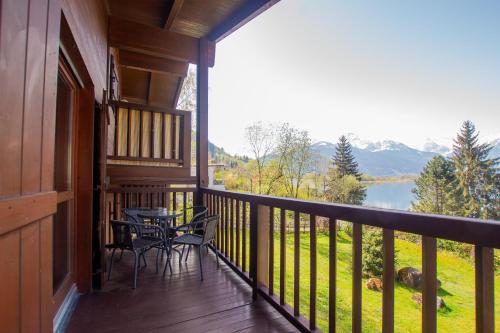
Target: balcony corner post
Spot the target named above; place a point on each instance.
(202, 117)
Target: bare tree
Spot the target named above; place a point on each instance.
(261, 139)
(294, 150)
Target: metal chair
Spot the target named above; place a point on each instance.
(208, 225)
(199, 212)
(129, 236)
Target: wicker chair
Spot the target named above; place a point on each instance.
(208, 226)
(129, 236)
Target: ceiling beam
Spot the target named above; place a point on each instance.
(176, 8)
(133, 36)
(249, 10)
(150, 63)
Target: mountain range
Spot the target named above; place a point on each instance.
(389, 158)
(385, 158)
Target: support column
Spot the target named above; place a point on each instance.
(202, 116)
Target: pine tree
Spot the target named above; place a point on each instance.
(437, 189)
(477, 174)
(344, 161)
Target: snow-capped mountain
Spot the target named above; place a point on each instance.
(390, 158)
(434, 147)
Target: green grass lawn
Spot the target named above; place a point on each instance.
(457, 289)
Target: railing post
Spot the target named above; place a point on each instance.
(429, 289)
(485, 298)
(263, 224)
(357, 255)
(388, 282)
(253, 248)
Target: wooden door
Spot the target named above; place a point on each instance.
(64, 182)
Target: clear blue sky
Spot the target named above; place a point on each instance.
(400, 70)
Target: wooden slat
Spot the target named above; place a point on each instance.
(282, 256)
(296, 264)
(173, 135)
(388, 282)
(231, 229)
(129, 140)
(162, 137)
(244, 238)
(238, 241)
(313, 273)
(144, 62)
(14, 213)
(140, 133)
(152, 134)
(117, 125)
(226, 227)
(429, 289)
(271, 251)
(332, 275)
(485, 289)
(357, 256)
(174, 206)
(184, 206)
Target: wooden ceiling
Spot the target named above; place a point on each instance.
(155, 40)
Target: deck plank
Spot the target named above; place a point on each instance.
(176, 303)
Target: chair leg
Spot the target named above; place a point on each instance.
(168, 250)
(158, 257)
(216, 255)
(182, 253)
(121, 255)
(144, 259)
(187, 254)
(111, 263)
(201, 265)
(136, 268)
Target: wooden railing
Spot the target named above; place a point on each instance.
(247, 222)
(150, 136)
(144, 194)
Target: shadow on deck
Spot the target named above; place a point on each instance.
(176, 303)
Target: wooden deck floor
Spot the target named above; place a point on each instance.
(177, 303)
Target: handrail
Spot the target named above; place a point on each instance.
(259, 219)
(461, 229)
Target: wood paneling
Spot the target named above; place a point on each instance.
(198, 18)
(14, 213)
(33, 97)
(13, 37)
(88, 23)
(149, 63)
(139, 37)
(10, 277)
(150, 12)
(30, 278)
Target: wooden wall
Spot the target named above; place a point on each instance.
(29, 41)
(29, 50)
(89, 26)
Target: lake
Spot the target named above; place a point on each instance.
(389, 195)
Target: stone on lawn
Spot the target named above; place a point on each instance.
(417, 298)
(374, 284)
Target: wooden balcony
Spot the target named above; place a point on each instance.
(250, 292)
